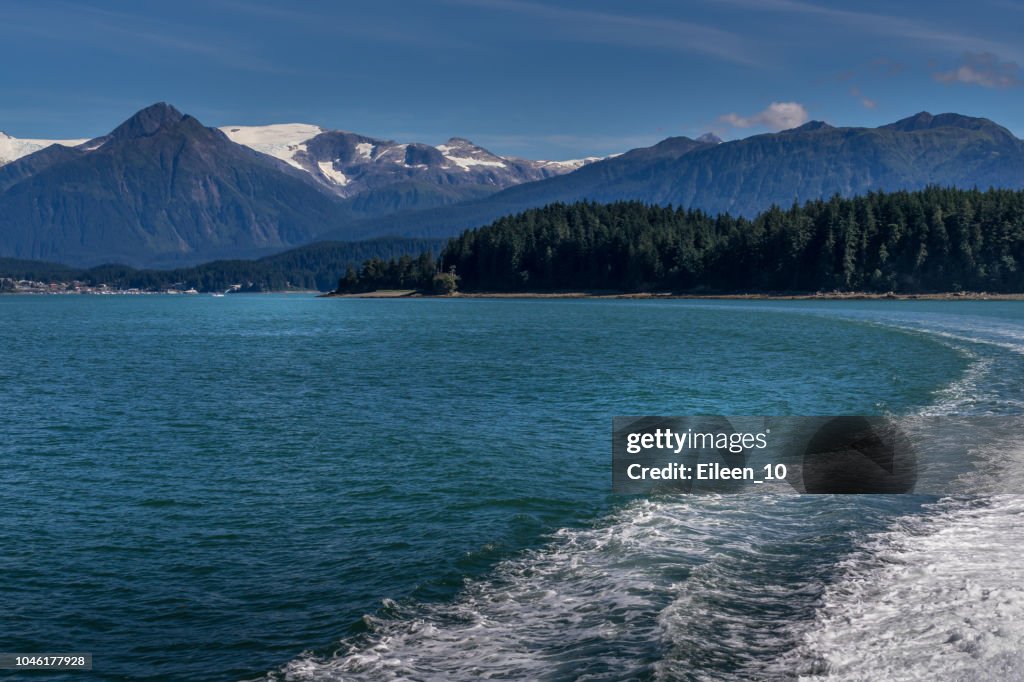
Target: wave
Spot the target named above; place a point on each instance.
(743, 586)
(938, 594)
(707, 579)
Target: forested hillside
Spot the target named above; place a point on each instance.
(748, 176)
(931, 240)
(309, 267)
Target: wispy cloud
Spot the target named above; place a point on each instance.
(309, 20)
(865, 102)
(888, 67)
(627, 30)
(983, 69)
(134, 34)
(876, 67)
(777, 116)
(888, 25)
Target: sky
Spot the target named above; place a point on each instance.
(532, 78)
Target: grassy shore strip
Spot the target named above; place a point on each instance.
(819, 296)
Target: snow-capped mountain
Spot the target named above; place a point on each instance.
(349, 164)
(570, 165)
(13, 148)
(162, 189)
(283, 141)
(159, 189)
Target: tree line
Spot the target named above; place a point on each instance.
(312, 267)
(936, 239)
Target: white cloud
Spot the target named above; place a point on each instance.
(778, 116)
(983, 69)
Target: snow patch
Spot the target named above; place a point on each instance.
(465, 162)
(573, 164)
(365, 150)
(335, 176)
(282, 140)
(13, 148)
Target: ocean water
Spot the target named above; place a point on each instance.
(291, 488)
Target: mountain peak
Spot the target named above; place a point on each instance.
(669, 148)
(462, 144)
(926, 121)
(709, 138)
(148, 121)
(919, 121)
(810, 126)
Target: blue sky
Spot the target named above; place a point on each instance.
(534, 78)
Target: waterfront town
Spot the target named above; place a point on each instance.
(9, 285)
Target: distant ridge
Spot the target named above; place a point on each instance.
(349, 164)
(311, 267)
(926, 121)
(744, 177)
(710, 138)
(162, 190)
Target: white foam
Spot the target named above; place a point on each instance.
(660, 587)
(589, 597)
(938, 597)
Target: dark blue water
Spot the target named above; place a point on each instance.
(226, 488)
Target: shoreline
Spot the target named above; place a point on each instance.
(128, 292)
(661, 296)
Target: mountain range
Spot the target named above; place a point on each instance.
(746, 176)
(348, 164)
(160, 189)
(163, 190)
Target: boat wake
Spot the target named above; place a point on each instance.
(706, 580)
(748, 586)
(939, 594)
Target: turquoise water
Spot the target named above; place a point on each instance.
(300, 488)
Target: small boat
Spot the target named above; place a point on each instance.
(217, 295)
